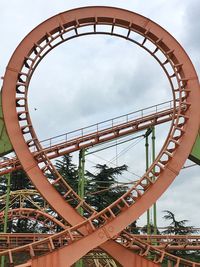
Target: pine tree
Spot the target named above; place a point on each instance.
(144, 229)
(133, 229)
(177, 227)
(101, 189)
(19, 181)
(68, 170)
(180, 228)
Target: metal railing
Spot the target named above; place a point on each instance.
(107, 124)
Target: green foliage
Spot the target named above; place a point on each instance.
(23, 226)
(180, 228)
(19, 181)
(177, 227)
(101, 188)
(133, 229)
(144, 229)
(68, 171)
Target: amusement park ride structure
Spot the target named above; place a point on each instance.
(86, 231)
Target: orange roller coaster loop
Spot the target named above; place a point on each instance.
(98, 228)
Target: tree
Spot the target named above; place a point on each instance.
(144, 229)
(180, 228)
(177, 227)
(19, 181)
(101, 189)
(68, 171)
(132, 228)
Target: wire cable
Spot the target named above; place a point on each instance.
(113, 164)
(122, 152)
(138, 176)
(189, 166)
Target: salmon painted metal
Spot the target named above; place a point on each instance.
(164, 242)
(183, 131)
(95, 134)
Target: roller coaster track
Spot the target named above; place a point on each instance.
(42, 215)
(98, 229)
(35, 211)
(14, 240)
(18, 199)
(164, 242)
(47, 221)
(96, 258)
(97, 134)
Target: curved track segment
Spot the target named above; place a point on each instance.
(185, 123)
(41, 217)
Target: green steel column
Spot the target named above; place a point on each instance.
(153, 137)
(147, 166)
(5, 227)
(5, 145)
(81, 174)
(195, 153)
(148, 132)
(81, 188)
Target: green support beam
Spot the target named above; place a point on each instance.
(195, 153)
(5, 226)
(153, 138)
(81, 174)
(5, 148)
(5, 144)
(148, 132)
(81, 188)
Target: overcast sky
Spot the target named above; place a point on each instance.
(95, 78)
